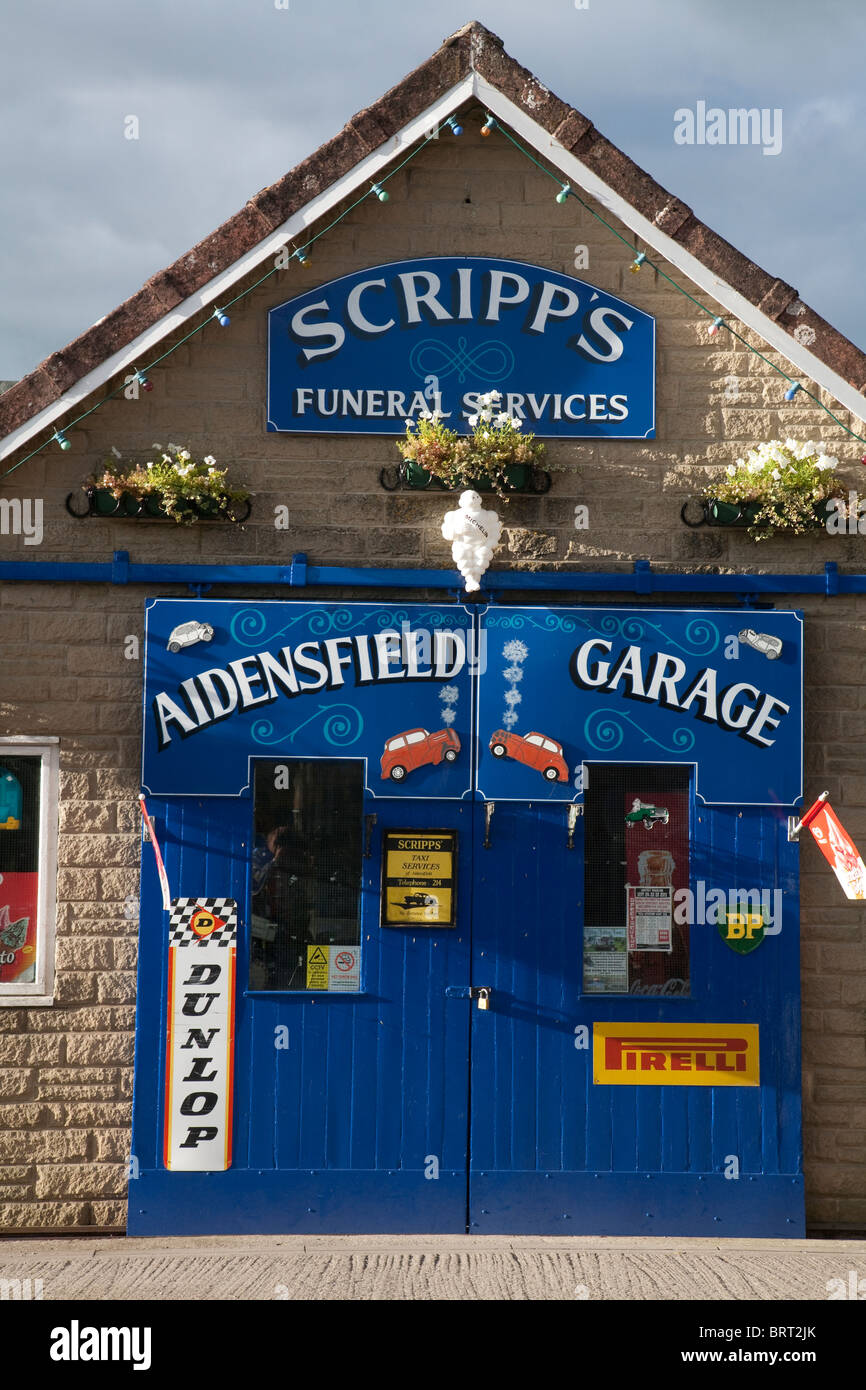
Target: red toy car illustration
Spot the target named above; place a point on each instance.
(415, 748)
(536, 750)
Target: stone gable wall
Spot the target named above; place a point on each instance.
(65, 1071)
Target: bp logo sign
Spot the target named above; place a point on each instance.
(742, 931)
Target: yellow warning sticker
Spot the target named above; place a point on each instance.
(317, 967)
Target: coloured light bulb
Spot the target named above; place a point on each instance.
(562, 195)
(452, 122)
(637, 262)
(380, 192)
(62, 440)
(792, 391)
(222, 319)
(143, 381)
(489, 123)
(715, 326)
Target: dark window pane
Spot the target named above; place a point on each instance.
(306, 875)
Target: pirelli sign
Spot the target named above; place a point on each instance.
(675, 1054)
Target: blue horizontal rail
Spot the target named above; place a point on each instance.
(642, 579)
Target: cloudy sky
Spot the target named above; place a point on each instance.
(229, 94)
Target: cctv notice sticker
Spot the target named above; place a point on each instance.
(418, 869)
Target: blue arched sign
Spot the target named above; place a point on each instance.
(362, 354)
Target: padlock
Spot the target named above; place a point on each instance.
(483, 997)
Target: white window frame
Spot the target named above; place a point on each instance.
(41, 991)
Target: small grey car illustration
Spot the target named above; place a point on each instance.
(762, 642)
(187, 634)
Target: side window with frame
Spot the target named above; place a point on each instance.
(305, 923)
(28, 870)
(637, 849)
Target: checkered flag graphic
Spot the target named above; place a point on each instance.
(183, 910)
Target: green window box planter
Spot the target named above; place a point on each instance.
(101, 502)
(705, 511)
(519, 477)
(731, 513)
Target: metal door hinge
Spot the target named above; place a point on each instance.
(575, 811)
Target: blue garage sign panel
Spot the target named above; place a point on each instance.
(496, 992)
(227, 682)
(567, 687)
(362, 354)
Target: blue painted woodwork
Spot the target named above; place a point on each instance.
(622, 720)
(552, 1153)
(337, 1132)
(349, 678)
(299, 574)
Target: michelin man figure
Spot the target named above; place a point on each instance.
(474, 534)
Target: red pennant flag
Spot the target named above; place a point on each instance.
(160, 867)
(837, 847)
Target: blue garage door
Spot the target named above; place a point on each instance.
(563, 999)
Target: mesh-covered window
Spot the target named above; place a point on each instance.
(28, 868)
(306, 875)
(637, 857)
(19, 867)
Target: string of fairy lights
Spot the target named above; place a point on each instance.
(378, 191)
(641, 258)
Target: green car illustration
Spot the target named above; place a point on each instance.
(645, 814)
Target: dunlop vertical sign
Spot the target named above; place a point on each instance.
(200, 1042)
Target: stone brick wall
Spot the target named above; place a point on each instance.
(65, 1071)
